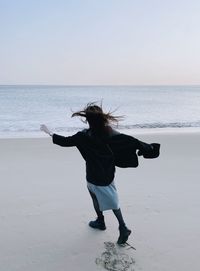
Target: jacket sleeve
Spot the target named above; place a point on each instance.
(148, 150)
(63, 141)
(124, 149)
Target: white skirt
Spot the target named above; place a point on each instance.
(107, 196)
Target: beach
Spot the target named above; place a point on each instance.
(45, 207)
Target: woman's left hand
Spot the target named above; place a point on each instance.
(44, 128)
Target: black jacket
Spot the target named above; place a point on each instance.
(103, 154)
(124, 148)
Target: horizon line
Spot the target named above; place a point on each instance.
(99, 85)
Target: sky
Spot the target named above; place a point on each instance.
(100, 42)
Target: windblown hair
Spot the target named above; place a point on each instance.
(96, 118)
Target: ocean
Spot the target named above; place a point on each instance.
(24, 108)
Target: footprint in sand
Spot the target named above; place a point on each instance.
(114, 260)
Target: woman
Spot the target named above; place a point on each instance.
(102, 147)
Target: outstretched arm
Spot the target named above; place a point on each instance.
(60, 140)
(45, 129)
(148, 150)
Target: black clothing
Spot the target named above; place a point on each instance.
(96, 205)
(98, 224)
(124, 233)
(119, 217)
(100, 166)
(103, 154)
(124, 148)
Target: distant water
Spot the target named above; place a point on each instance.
(24, 108)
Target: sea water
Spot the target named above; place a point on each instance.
(24, 108)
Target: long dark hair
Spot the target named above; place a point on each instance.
(97, 119)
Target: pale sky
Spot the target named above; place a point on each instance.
(100, 42)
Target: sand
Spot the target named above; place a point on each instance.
(45, 208)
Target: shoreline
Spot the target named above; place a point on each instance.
(143, 131)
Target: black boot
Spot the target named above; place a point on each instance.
(98, 224)
(124, 233)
